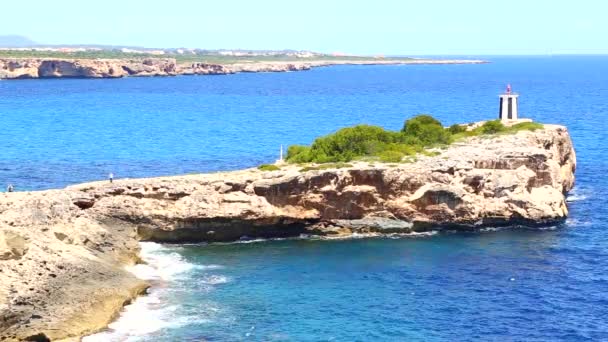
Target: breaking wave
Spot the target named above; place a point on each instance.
(148, 314)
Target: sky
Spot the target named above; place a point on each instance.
(379, 27)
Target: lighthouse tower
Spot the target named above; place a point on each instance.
(508, 105)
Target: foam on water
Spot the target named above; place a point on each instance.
(145, 316)
(576, 222)
(355, 236)
(352, 236)
(577, 194)
(161, 263)
(215, 279)
(575, 198)
(151, 313)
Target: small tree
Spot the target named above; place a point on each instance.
(426, 128)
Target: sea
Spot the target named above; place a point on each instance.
(507, 284)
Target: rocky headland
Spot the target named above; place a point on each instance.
(20, 68)
(63, 252)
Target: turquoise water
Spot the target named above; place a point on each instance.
(511, 284)
(507, 285)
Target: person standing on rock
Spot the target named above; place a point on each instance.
(111, 177)
(10, 188)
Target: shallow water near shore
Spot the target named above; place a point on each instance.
(497, 284)
(522, 283)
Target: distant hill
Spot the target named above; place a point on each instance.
(15, 41)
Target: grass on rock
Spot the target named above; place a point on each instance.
(326, 166)
(268, 167)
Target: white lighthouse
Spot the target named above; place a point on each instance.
(508, 105)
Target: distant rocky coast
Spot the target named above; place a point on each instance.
(63, 252)
(20, 68)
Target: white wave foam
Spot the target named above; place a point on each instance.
(576, 198)
(150, 313)
(352, 236)
(421, 234)
(161, 263)
(492, 229)
(210, 267)
(577, 222)
(215, 279)
(376, 234)
(547, 228)
(145, 316)
(578, 194)
(246, 241)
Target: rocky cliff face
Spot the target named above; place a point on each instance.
(114, 68)
(85, 68)
(63, 252)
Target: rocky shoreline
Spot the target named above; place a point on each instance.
(63, 252)
(24, 68)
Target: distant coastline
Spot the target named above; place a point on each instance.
(22, 67)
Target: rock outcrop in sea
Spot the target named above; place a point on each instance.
(63, 252)
(19, 68)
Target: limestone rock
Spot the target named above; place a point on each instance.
(85, 68)
(63, 252)
(15, 68)
(12, 245)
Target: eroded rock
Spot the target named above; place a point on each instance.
(16, 68)
(63, 252)
(12, 245)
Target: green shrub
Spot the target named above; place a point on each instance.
(405, 149)
(374, 147)
(492, 127)
(298, 154)
(370, 143)
(456, 128)
(346, 144)
(411, 141)
(268, 167)
(366, 141)
(412, 125)
(391, 156)
(428, 129)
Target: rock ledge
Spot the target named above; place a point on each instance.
(63, 252)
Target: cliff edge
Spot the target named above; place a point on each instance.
(20, 68)
(63, 252)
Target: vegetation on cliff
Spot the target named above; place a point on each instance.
(268, 167)
(418, 133)
(189, 57)
(492, 127)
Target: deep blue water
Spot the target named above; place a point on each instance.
(512, 284)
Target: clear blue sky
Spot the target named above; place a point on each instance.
(402, 27)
